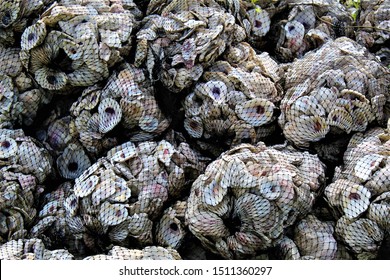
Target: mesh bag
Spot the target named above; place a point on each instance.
(337, 90)
(24, 166)
(147, 253)
(31, 249)
(359, 195)
(16, 15)
(374, 21)
(120, 198)
(76, 42)
(308, 25)
(247, 197)
(180, 38)
(125, 108)
(127, 99)
(234, 103)
(20, 98)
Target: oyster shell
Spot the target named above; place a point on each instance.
(170, 230)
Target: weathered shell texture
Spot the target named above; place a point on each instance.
(375, 24)
(310, 24)
(147, 253)
(19, 98)
(126, 103)
(148, 117)
(177, 43)
(360, 193)
(75, 43)
(248, 196)
(340, 88)
(31, 249)
(171, 229)
(16, 15)
(119, 199)
(24, 166)
(312, 239)
(234, 103)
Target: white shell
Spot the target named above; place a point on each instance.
(194, 127)
(110, 114)
(102, 191)
(164, 152)
(123, 153)
(367, 165)
(256, 112)
(355, 200)
(112, 214)
(8, 147)
(86, 187)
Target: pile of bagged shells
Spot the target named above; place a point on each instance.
(183, 129)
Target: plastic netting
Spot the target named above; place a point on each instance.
(183, 129)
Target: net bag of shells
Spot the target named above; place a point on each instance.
(360, 192)
(75, 43)
(176, 43)
(120, 200)
(31, 249)
(374, 31)
(235, 100)
(147, 253)
(374, 23)
(104, 115)
(24, 166)
(20, 98)
(246, 199)
(126, 103)
(16, 15)
(311, 239)
(304, 25)
(330, 93)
